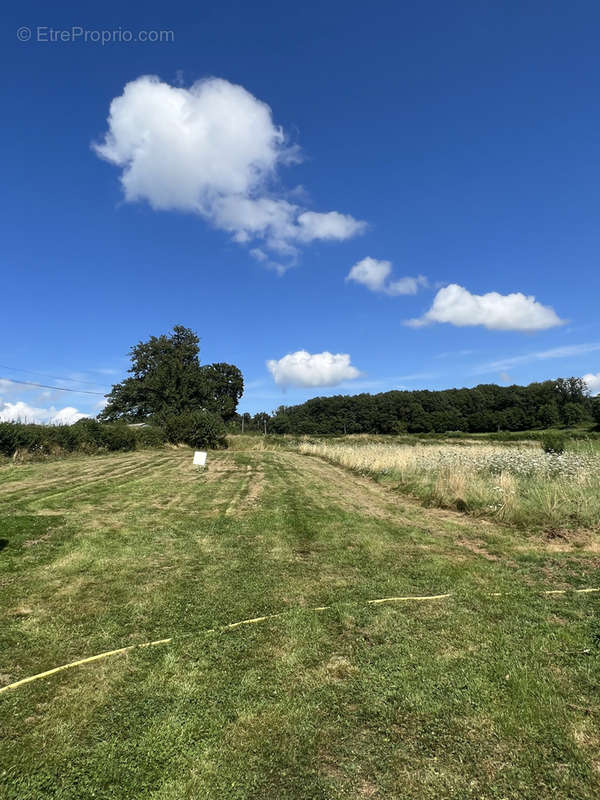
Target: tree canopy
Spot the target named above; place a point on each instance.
(167, 378)
(483, 408)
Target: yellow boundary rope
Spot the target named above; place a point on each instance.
(254, 621)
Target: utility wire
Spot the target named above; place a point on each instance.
(46, 375)
(45, 386)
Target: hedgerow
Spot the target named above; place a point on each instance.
(86, 436)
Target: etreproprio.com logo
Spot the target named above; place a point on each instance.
(77, 34)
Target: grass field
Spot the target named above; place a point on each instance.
(489, 692)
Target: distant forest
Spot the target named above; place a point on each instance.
(482, 409)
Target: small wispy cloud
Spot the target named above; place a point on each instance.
(387, 384)
(376, 276)
(455, 354)
(416, 376)
(567, 351)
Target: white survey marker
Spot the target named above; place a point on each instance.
(199, 458)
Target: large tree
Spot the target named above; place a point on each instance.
(166, 379)
(224, 385)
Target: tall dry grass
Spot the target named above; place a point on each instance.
(520, 485)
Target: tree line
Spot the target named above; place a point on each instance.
(169, 387)
(180, 400)
(482, 409)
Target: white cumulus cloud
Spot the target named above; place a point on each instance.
(330, 225)
(213, 150)
(593, 382)
(510, 312)
(407, 285)
(317, 369)
(23, 412)
(376, 274)
(371, 273)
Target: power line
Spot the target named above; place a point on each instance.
(57, 388)
(46, 375)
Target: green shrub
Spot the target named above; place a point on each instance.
(89, 433)
(18, 436)
(8, 438)
(65, 437)
(196, 429)
(118, 437)
(554, 442)
(151, 436)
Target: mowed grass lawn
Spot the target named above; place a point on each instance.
(469, 696)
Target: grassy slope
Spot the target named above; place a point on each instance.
(473, 696)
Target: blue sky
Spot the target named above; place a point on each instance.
(279, 149)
